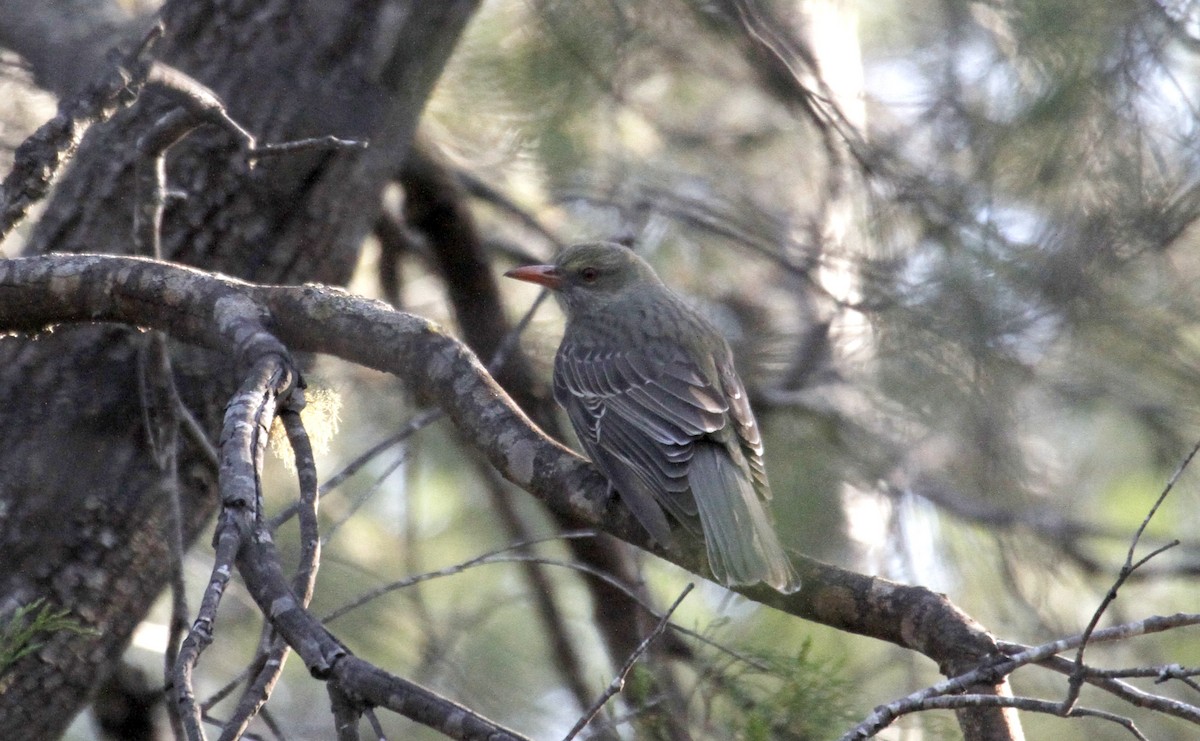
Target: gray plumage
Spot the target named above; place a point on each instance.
(652, 393)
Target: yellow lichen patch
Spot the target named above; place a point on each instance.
(322, 418)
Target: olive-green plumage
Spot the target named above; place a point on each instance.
(651, 390)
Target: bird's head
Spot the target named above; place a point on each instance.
(587, 276)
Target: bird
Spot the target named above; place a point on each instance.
(650, 388)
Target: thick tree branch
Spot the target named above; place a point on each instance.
(213, 311)
(316, 70)
(255, 322)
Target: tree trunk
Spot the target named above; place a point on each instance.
(83, 507)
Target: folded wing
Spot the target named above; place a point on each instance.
(669, 439)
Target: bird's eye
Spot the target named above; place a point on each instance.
(589, 274)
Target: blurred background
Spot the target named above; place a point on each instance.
(953, 246)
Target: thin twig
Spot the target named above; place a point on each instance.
(618, 682)
(1075, 683)
(1020, 656)
(1107, 680)
(887, 714)
(411, 427)
(503, 556)
(302, 145)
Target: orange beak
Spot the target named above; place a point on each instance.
(543, 275)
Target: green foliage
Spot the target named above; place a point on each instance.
(790, 698)
(25, 629)
(761, 697)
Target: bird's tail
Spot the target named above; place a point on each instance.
(742, 545)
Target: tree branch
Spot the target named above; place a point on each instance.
(214, 311)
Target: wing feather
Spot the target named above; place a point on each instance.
(640, 416)
(746, 428)
(642, 413)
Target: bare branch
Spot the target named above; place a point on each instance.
(1130, 566)
(1106, 681)
(41, 155)
(885, 715)
(618, 682)
(223, 313)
